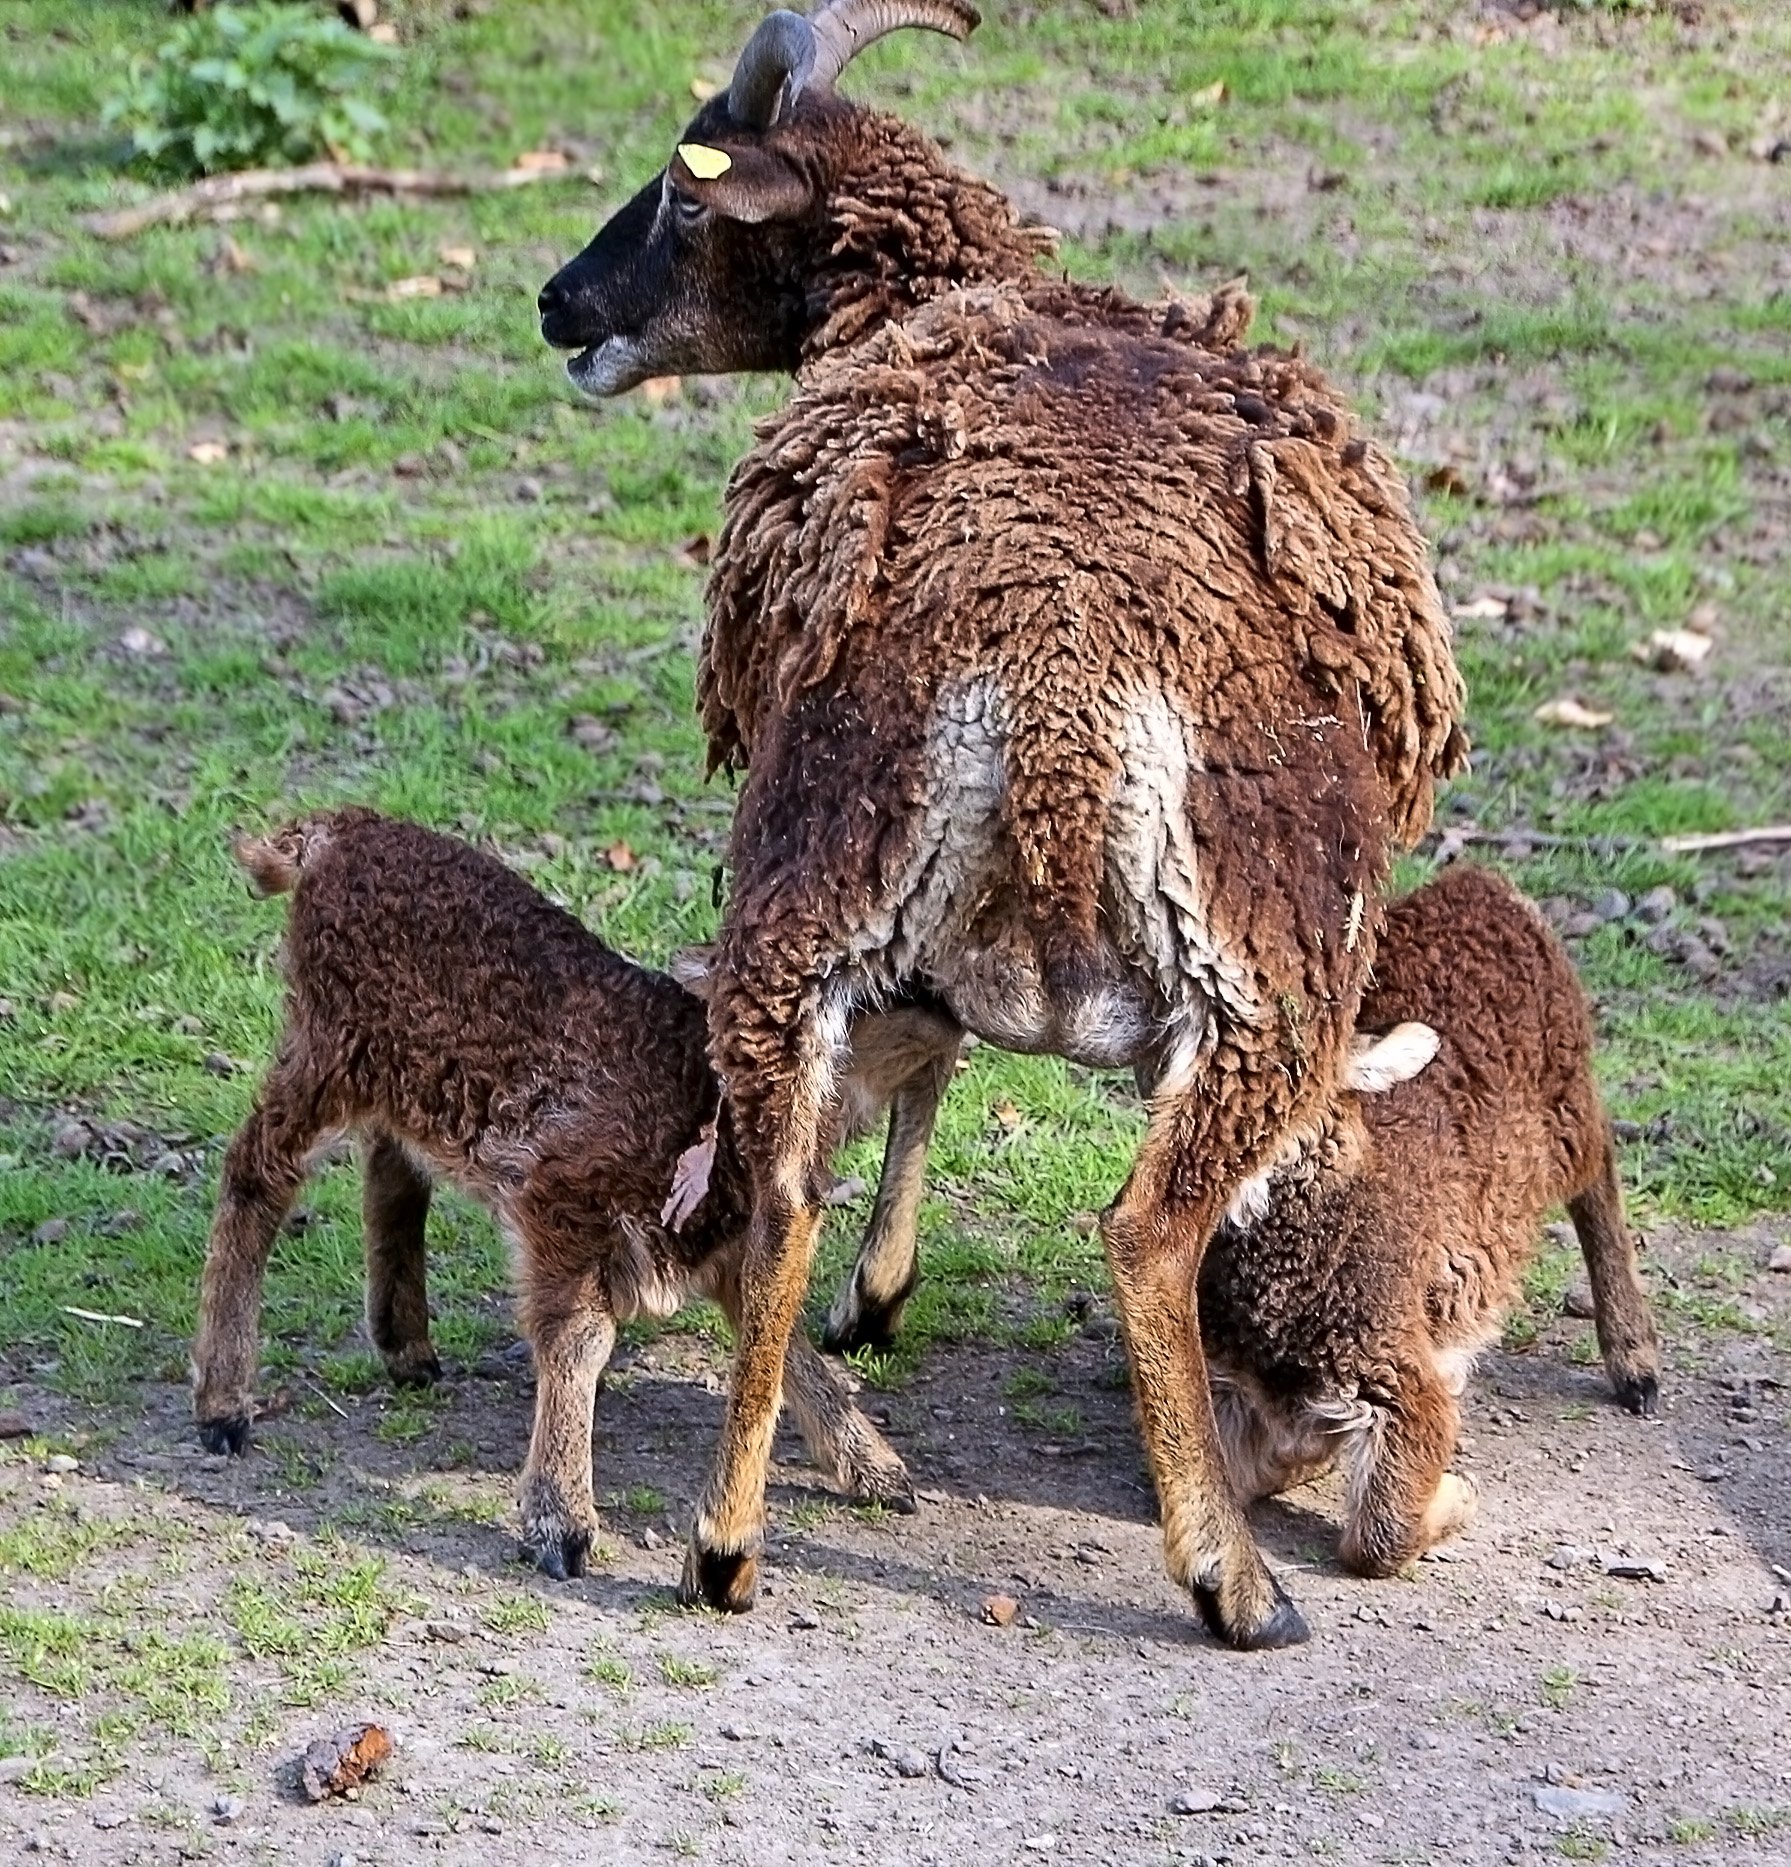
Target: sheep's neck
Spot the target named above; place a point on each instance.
(904, 226)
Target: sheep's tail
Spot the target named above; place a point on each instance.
(275, 862)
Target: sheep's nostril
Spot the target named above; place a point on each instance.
(552, 299)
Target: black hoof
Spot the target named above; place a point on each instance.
(563, 1557)
(415, 1371)
(873, 1329)
(1640, 1395)
(228, 1436)
(716, 1578)
(1284, 1626)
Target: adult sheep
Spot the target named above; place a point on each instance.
(1086, 672)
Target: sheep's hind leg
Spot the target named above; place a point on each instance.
(1156, 1233)
(780, 1082)
(571, 1332)
(1625, 1324)
(867, 1307)
(394, 1216)
(264, 1167)
(1402, 1497)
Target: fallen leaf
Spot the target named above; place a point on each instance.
(1482, 609)
(542, 161)
(1448, 478)
(332, 1766)
(1208, 95)
(421, 285)
(1000, 1610)
(1571, 713)
(208, 453)
(1008, 1116)
(620, 858)
(1673, 651)
(658, 389)
(465, 257)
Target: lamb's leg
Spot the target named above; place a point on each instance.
(1620, 1305)
(394, 1216)
(264, 1167)
(571, 1331)
(1402, 1497)
(1204, 1138)
(867, 1307)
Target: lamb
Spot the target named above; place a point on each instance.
(1342, 1312)
(466, 1028)
(1086, 671)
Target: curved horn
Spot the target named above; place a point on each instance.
(771, 70)
(843, 28)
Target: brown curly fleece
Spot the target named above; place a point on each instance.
(1095, 535)
(466, 1028)
(1344, 1321)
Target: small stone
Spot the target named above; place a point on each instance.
(125, 1219)
(1637, 1568)
(1202, 1802)
(227, 1809)
(1567, 1556)
(217, 1064)
(1578, 1302)
(1574, 1805)
(903, 1758)
(15, 1426)
(529, 491)
(13, 1768)
(1000, 1610)
(1780, 1259)
(802, 1622)
(109, 1818)
(61, 1464)
(490, 1825)
(449, 1633)
(343, 1860)
(1610, 904)
(70, 1140)
(1656, 904)
(650, 1538)
(1727, 380)
(271, 1530)
(51, 1232)
(1423, 1740)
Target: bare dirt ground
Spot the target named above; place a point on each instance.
(1597, 1668)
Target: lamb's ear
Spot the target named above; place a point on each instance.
(693, 969)
(1378, 1063)
(745, 182)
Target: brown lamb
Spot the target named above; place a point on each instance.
(1087, 671)
(465, 1028)
(1341, 1323)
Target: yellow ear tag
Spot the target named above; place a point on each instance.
(703, 162)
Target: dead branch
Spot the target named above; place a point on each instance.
(1449, 842)
(220, 197)
(1727, 839)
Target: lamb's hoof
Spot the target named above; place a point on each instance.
(1281, 1625)
(891, 1487)
(718, 1578)
(556, 1538)
(561, 1555)
(228, 1436)
(865, 1328)
(1638, 1394)
(419, 1367)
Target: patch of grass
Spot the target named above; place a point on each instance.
(1558, 1683)
(666, 1734)
(697, 1675)
(518, 1614)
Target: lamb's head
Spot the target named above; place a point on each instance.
(713, 266)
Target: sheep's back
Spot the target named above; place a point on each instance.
(1083, 498)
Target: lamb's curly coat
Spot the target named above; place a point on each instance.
(1342, 1322)
(465, 1027)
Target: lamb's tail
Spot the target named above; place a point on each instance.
(276, 861)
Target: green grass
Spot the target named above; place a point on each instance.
(423, 560)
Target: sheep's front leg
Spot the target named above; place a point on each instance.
(867, 1307)
(394, 1218)
(779, 1086)
(572, 1333)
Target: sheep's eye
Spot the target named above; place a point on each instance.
(687, 207)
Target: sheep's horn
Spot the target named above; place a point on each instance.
(771, 70)
(843, 28)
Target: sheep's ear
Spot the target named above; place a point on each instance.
(693, 969)
(743, 183)
(1376, 1064)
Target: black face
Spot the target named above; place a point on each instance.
(689, 277)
